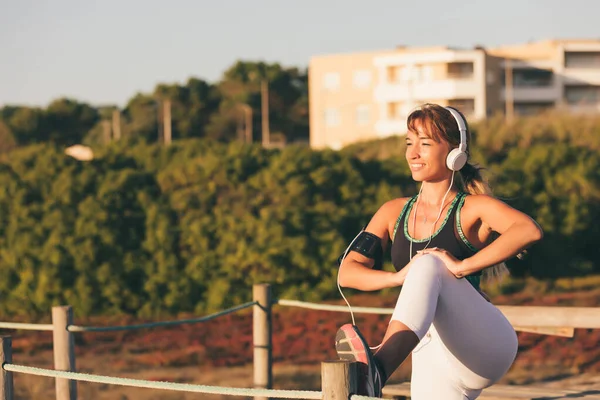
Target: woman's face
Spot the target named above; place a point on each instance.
(426, 157)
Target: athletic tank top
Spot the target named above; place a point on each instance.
(449, 236)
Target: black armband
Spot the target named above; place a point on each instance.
(369, 245)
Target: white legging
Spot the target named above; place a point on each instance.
(466, 343)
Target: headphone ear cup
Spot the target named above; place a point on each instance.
(456, 159)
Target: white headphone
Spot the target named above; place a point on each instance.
(457, 158)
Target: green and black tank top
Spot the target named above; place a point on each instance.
(449, 236)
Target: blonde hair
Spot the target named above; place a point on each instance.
(441, 125)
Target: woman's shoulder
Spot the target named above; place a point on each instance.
(475, 205)
(392, 208)
(478, 200)
(384, 219)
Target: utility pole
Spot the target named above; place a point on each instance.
(167, 121)
(247, 122)
(240, 127)
(265, 113)
(508, 90)
(159, 119)
(116, 124)
(106, 131)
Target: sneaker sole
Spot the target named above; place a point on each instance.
(349, 345)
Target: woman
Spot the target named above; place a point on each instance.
(440, 240)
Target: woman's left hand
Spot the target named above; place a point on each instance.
(453, 265)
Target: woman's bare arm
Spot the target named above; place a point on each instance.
(356, 270)
(517, 232)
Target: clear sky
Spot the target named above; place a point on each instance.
(105, 51)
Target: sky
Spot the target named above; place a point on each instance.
(106, 51)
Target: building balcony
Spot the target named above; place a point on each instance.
(544, 93)
(573, 76)
(423, 91)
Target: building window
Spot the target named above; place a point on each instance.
(582, 59)
(465, 106)
(460, 70)
(530, 77)
(418, 73)
(362, 115)
(584, 95)
(393, 74)
(332, 117)
(532, 108)
(398, 110)
(331, 81)
(362, 79)
(394, 110)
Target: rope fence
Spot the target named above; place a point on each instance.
(26, 327)
(339, 379)
(333, 307)
(172, 386)
(76, 328)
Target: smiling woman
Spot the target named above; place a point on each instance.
(441, 240)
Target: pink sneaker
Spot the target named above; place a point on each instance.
(351, 346)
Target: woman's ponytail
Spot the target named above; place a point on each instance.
(473, 182)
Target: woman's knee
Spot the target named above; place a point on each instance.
(427, 265)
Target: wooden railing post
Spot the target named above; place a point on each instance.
(339, 379)
(263, 375)
(6, 377)
(64, 351)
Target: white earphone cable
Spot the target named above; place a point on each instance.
(338, 275)
(411, 242)
(340, 288)
(436, 220)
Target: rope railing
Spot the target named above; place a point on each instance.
(25, 326)
(77, 328)
(172, 386)
(339, 377)
(332, 307)
(559, 321)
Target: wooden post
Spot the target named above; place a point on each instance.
(266, 134)
(6, 377)
(339, 379)
(167, 121)
(263, 377)
(248, 124)
(116, 124)
(106, 131)
(64, 351)
(508, 90)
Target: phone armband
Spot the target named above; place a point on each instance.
(369, 245)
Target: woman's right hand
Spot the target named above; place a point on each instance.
(400, 276)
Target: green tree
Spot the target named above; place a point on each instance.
(287, 91)
(68, 121)
(28, 125)
(7, 140)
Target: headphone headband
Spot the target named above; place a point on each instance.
(457, 158)
(462, 127)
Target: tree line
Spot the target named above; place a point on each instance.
(199, 109)
(153, 230)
